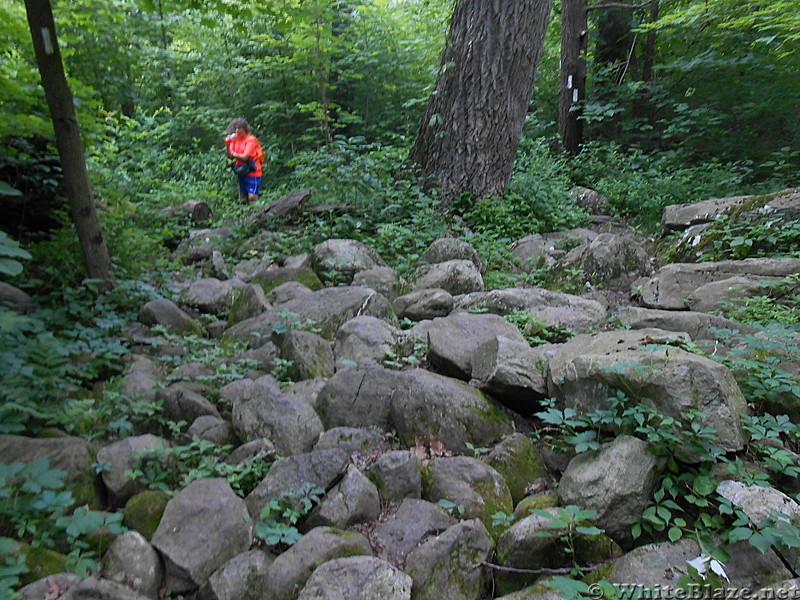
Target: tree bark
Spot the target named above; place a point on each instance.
(471, 129)
(574, 33)
(68, 142)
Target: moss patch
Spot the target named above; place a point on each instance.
(143, 512)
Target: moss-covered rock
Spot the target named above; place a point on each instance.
(42, 562)
(270, 279)
(143, 512)
(517, 460)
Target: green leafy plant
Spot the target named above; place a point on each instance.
(535, 331)
(36, 509)
(565, 523)
(10, 252)
(278, 519)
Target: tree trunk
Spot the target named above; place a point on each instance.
(574, 33)
(68, 141)
(472, 125)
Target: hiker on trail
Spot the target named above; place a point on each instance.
(242, 146)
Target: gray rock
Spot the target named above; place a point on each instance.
(414, 521)
(327, 308)
(518, 461)
(290, 571)
(238, 579)
(610, 260)
(357, 578)
(203, 527)
(397, 475)
(167, 313)
(588, 369)
(13, 298)
(210, 295)
(212, 429)
(307, 390)
(141, 378)
(350, 439)
(359, 397)
(383, 280)
(716, 295)
(471, 331)
(261, 449)
(311, 355)
(93, 588)
(39, 588)
(250, 301)
(364, 341)
(286, 292)
(756, 501)
(132, 561)
(353, 500)
(122, 456)
(455, 413)
(71, 454)
(553, 309)
(261, 410)
(468, 483)
(511, 371)
(185, 402)
(696, 324)
(424, 304)
(616, 481)
(454, 276)
(655, 564)
(340, 259)
(448, 565)
(320, 468)
(446, 248)
(672, 284)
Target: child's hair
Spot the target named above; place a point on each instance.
(236, 123)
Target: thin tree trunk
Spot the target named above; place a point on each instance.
(574, 30)
(68, 141)
(471, 129)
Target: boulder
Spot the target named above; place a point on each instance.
(383, 280)
(512, 372)
(73, 455)
(446, 248)
(184, 401)
(364, 341)
(141, 378)
(311, 355)
(697, 325)
(450, 565)
(339, 260)
(351, 501)
(589, 369)
(261, 410)
(757, 502)
(552, 309)
(212, 429)
(121, 457)
(616, 481)
(290, 571)
(471, 331)
(249, 301)
(424, 304)
(210, 295)
(453, 276)
(476, 488)
(396, 474)
(203, 527)
(322, 468)
(671, 286)
(518, 462)
(357, 578)
(166, 313)
(609, 261)
(238, 579)
(327, 309)
(350, 439)
(413, 522)
(132, 561)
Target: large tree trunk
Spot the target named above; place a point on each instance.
(68, 141)
(472, 125)
(574, 33)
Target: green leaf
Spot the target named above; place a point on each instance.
(674, 534)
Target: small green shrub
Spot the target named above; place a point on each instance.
(278, 519)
